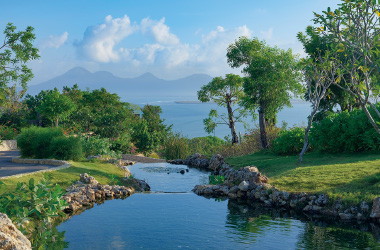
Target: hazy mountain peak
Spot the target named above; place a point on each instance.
(78, 71)
(148, 76)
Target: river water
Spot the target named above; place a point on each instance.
(172, 217)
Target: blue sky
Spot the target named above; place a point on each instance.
(170, 39)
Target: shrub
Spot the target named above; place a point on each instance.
(216, 179)
(34, 142)
(176, 147)
(66, 148)
(345, 132)
(8, 133)
(289, 142)
(95, 145)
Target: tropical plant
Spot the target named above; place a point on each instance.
(226, 93)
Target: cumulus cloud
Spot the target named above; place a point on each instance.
(159, 31)
(99, 41)
(54, 41)
(166, 53)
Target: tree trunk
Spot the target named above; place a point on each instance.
(231, 121)
(307, 129)
(369, 116)
(56, 123)
(263, 129)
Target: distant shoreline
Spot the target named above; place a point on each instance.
(192, 102)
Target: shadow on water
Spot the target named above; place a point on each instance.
(314, 234)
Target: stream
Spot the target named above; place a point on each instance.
(172, 217)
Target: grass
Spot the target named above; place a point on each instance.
(348, 177)
(104, 173)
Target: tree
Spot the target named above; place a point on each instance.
(355, 29)
(272, 74)
(316, 45)
(319, 74)
(56, 106)
(226, 93)
(15, 52)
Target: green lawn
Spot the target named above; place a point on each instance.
(103, 172)
(350, 177)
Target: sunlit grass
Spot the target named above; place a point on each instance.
(104, 173)
(350, 177)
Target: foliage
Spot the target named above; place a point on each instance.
(16, 50)
(55, 106)
(176, 146)
(226, 93)
(34, 142)
(66, 148)
(289, 142)
(345, 132)
(343, 176)
(272, 74)
(8, 133)
(35, 205)
(95, 145)
(250, 143)
(150, 132)
(216, 179)
(15, 117)
(354, 28)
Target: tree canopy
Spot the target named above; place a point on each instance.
(272, 75)
(227, 93)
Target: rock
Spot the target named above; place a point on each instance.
(182, 171)
(346, 216)
(375, 213)
(364, 207)
(216, 162)
(243, 186)
(10, 236)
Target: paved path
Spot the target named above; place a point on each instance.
(8, 168)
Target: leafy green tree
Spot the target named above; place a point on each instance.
(272, 75)
(226, 93)
(56, 106)
(355, 29)
(16, 50)
(316, 45)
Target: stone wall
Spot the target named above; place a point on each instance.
(7, 145)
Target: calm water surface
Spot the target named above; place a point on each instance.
(172, 217)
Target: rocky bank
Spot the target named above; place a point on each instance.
(248, 184)
(10, 237)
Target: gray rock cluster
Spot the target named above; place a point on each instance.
(200, 161)
(10, 237)
(249, 184)
(88, 191)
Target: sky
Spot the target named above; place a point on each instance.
(168, 38)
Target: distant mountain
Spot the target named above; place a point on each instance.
(144, 85)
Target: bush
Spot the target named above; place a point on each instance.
(95, 145)
(289, 142)
(176, 147)
(34, 142)
(345, 132)
(66, 148)
(8, 133)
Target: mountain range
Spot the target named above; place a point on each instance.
(146, 85)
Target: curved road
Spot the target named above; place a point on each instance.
(8, 168)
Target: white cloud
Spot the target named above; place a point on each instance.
(159, 31)
(166, 55)
(267, 34)
(54, 41)
(99, 41)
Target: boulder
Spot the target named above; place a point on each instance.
(375, 213)
(216, 162)
(10, 236)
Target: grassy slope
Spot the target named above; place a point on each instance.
(350, 177)
(102, 172)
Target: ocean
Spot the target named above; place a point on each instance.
(187, 118)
